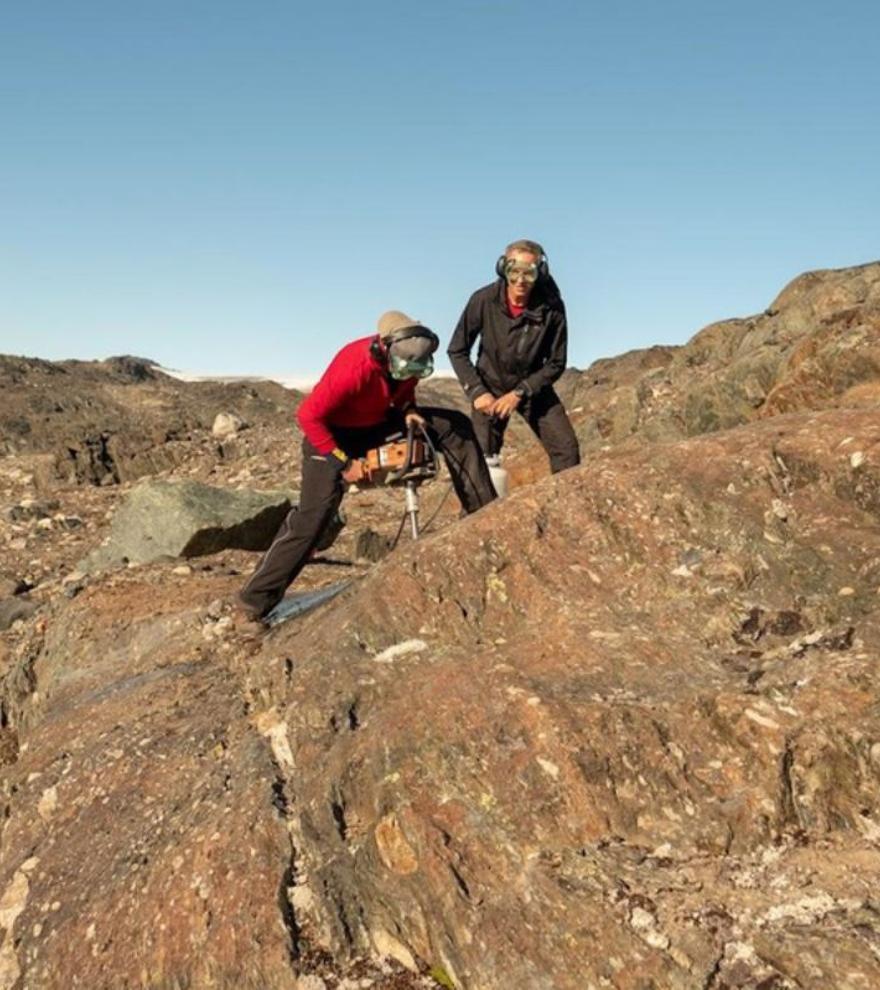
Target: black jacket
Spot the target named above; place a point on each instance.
(527, 350)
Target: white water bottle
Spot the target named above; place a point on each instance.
(498, 474)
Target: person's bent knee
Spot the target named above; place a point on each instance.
(562, 460)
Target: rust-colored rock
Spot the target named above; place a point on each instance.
(631, 709)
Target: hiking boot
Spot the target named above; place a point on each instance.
(245, 619)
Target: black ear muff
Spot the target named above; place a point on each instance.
(543, 267)
(377, 350)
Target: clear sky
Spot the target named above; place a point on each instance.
(242, 187)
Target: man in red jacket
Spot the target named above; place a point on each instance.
(366, 395)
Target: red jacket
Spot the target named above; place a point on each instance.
(354, 391)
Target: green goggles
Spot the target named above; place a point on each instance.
(400, 368)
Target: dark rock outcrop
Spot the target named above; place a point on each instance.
(103, 422)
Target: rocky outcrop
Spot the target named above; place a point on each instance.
(153, 810)
(104, 422)
(188, 519)
(618, 728)
(817, 346)
(631, 709)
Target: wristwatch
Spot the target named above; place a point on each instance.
(520, 391)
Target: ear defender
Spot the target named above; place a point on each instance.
(543, 266)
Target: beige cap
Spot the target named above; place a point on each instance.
(394, 320)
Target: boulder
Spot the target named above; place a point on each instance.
(187, 519)
(227, 425)
(13, 609)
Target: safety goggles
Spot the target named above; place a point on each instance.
(402, 368)
(516, 272)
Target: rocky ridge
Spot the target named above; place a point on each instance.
(816, 346)
(104, 422)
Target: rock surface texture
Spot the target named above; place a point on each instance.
(620, 730)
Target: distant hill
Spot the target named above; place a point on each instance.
(108, 421)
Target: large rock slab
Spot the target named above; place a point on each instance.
(147, 845)
(188, 519)
(619, 730)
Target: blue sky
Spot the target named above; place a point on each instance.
(242, 187)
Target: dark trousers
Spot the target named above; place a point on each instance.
(546, 416)
(322, 488)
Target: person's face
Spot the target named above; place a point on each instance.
(521, 272)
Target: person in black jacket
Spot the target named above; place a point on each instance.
(520, 321)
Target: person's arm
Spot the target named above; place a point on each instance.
(313, 415)
(552, 369)
(463, 338)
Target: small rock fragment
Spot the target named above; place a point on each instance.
(227, 425)
(48, 803)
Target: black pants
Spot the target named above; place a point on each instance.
(546, 416)
(322, 488)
